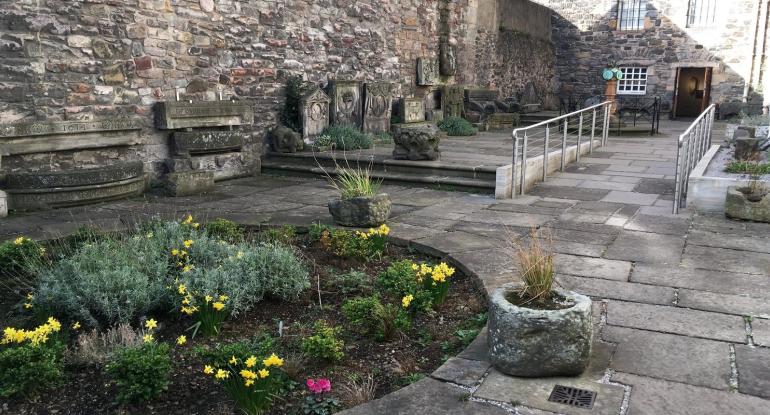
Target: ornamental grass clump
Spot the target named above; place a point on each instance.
(355, 182)
(30, 360)
(457, 126)
(17, 256)
(252, 384)
(536, 265)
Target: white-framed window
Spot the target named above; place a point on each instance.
(634, 81)
(631, 14)
(701, 13)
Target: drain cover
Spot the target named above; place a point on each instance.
(568, 395)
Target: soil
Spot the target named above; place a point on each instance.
(554, 301)
(394, 364)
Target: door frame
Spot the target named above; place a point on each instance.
(707, 77)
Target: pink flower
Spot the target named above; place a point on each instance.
(320, 385)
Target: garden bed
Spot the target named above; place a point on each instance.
(371, 366)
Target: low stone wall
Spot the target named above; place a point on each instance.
(707, 194)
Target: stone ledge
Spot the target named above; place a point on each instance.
(15, 182)
(40, 199)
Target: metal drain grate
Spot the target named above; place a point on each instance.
(568, 395)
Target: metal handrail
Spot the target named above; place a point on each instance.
(546, 140)
(693, 143)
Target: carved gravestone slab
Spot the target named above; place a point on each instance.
(346, 102)
(314, 107)
(49, 136)
(427, 71)
(186, 144)
(412, 110)
(172, 115)
(378, 107)
(452, 100)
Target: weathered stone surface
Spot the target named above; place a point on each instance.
(646, 247)
(346, 103)
(592, 267)
(37, 199)
(571, 193)
(41, 137)
(658, 224)
(452, 100)
(452, 242)
(631, 198)
(285, 140)
(415, 142)
(185, 143)
(378, 107)
(73, 178)
(654, 396)
(361, 211)
(189, 183)
(700, 279)
(3, 204)
(412, 110)
(462, 371)
(535, 343)
(668, 356)
(742, 305)
(729, 241)
(617, 290)
(760, 332)
(172, 115)
(746, 148)
(721, 259)
(677, 320)
(427, 71)
(314, 108)
(534, 393)
(740, 205)
(753, 370)
(447, 62)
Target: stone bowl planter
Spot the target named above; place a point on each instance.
(739, 204)
(361, 212)
(529, 342)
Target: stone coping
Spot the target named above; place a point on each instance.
(68, 127)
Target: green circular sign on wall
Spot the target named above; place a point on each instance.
(607, 74)
(618, 73)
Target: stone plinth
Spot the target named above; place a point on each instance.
(189, 182)
(416, 142)
(412, 110)
(172, 115)
(47, 190)
(361, 211)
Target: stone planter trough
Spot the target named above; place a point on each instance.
(361, 212)
(539, 343)
(738, 205)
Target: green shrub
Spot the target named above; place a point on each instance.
(456, 126)
(141, 373)
(745, 167)
(290, 115)
(225, 230)
(26, 370)
(325, 343)
(18, 255)
(261, 346)
(317, 230)
(353, 282)
(383, 138)
(369, 316)
(283, 235)
(398, 279)
(364, 245)
(347, 137)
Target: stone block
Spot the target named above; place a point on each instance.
(416, 142)
(185, 144)
(746, 148)
(462, 371)
(189, 183)
(285, 140)
(427, 71)
(412, 110)
(646, 247)
(172, 115)
(50, 136)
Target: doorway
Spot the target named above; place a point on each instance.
(693, 91)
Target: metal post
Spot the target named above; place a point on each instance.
(564, 145)
(545, 151)
(513, 164)
(686, 162)
(593, 132)
(580, 135)
(678, 177)
(524, 164)
(605, 132)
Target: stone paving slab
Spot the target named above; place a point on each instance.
(597, 207)
(507, 218)
(659, 397)
(753, 365)
(683, 321)
(462, 371)
(592, 267)
(721, 259)
(581, 216)
(671, 357)
(744, 243)
(760, 332)
(618, 290)
(741, 305)
(698, 279)
(452, 242)
(569, 192)
(534, 393)
(631, 198)
(577, 248)
(657, 224)
(646, 247)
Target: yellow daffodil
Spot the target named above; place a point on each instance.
(187, 268)
(208, 298)
(208, 370)
(188, 243)
(30, 297)
(407, 300)
(218, 306)
(42, 251)
(264, 373)
(174, 252)
(151, 324)
(188, 220)
(222, 374)
(54, 324)
(149, 235)
(273, 360)
(196, 225)
(182, 253)
(233, 361)
(27, 306)
(181, 340)
(19, 240)
(223, 298)
(251, 361)
(248, 374)
(239, 255)
(248, 382)
(186, 301)
(182, 289)
(76, 325)
(148, 338)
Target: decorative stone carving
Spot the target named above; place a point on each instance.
(480, 103)
(49, 136)
(189, 143)
(378, 100)
(741, 203)
(361, 212)
(452, 100)
(172, 115)
(427, 71)
(346, 105)
(446, 59)
(314, 107)
(416, 142)
(286, 140)
(412, 110)
(46, 190)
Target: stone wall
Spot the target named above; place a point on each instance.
(587, 40)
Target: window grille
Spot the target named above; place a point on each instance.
(701, 13)
(634, 81)
(631, 14)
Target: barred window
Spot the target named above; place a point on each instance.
(634, 81)
(701, 13)
(631, 14)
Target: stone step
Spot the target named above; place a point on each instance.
(445, 182)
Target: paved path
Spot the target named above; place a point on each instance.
(682, 303)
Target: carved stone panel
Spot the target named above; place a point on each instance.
(427, 71)
(378, 106)
(186, 144)
(48, 136)
(452, 100)
(315, 113)
(172, 115)
(412, 110)
(346, 105)
(447, 60)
